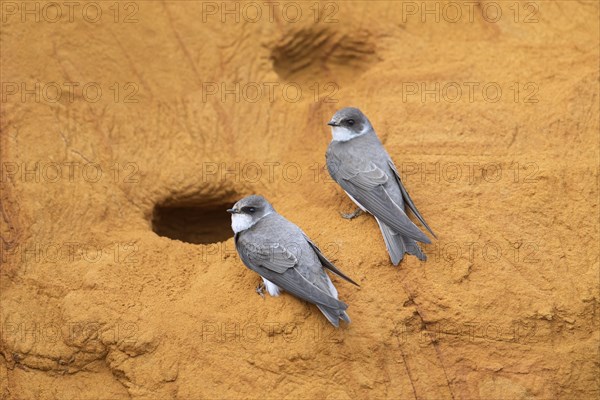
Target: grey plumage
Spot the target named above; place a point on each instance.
(281, 253)
(358, 162)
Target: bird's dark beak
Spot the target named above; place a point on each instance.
(333, 123)
(232, 211)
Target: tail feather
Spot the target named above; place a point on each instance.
(412, 247)
(334, 315)
(397, 245)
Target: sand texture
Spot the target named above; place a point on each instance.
(119, 275)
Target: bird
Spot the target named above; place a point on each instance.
(286, 259)
(358, 162)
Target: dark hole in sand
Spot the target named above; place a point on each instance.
(193, 223)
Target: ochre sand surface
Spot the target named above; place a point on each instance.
(96, 305)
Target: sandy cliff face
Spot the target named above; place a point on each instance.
(119, 276)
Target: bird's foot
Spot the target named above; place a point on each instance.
(260, 289)
(352, 215)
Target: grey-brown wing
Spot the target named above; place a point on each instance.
(281, 269)
(408, 200)
(328, 264)
(365, 183)
(272, 256)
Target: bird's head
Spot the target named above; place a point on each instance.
(248, 211)
(349, 123)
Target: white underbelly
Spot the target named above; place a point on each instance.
(272, 288)
(356, 202)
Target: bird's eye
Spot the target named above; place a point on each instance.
(249, 210)
(350, 122)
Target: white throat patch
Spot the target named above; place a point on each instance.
(241, 222)
(341, 134)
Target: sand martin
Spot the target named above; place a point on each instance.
(285, 257)
(357, 160)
